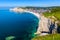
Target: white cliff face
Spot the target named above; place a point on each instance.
(17, 9)
(43, 25)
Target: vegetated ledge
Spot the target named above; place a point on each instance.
(48, 37)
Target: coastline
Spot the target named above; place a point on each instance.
(39, 16)
(22, 10)
(43, 21)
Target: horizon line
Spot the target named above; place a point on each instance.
(29, 6)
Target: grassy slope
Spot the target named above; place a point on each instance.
(56, 14)
(48, 37)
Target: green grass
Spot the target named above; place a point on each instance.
(48, 37)
(56, 14)
(55, 11)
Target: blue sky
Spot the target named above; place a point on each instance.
(41, 3)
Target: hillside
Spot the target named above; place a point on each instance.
(55, 11)
(48, 37)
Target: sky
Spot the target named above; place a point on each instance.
(39, 3)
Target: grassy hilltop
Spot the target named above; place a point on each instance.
(48, 37)
(55, 11)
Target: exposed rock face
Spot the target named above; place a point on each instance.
(43, 25)
(17, 9)
(54, 26)
(46, 25)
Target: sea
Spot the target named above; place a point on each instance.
(20, 26)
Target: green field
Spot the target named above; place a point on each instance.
(48, 37)
(56, 14)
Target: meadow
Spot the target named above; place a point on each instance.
(48, 37)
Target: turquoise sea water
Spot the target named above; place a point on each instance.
(20, 25)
